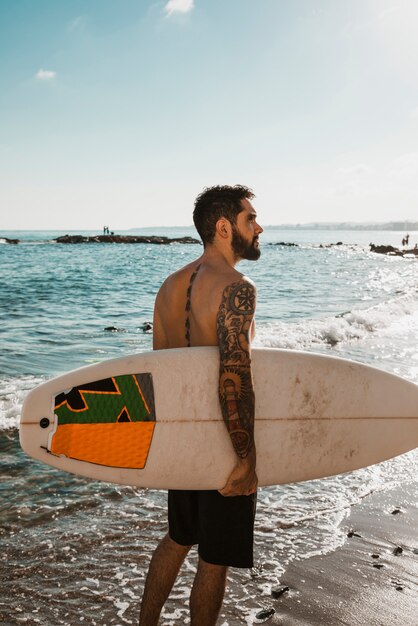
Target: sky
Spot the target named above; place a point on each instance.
(120, 113)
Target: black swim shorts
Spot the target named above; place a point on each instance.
(223, 527)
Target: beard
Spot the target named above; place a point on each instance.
(243, 249)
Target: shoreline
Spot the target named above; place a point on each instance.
(370, 579)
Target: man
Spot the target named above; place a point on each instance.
(209, 303)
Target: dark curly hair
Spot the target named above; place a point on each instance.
(216, 202)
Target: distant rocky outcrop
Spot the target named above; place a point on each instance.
(124, 239)
(288, 244)
(392, 251)
(7, 240)
(331, 245)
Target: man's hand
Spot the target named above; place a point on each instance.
(243, 480)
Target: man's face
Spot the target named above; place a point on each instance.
(245, 234)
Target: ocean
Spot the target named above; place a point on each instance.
(76, 551)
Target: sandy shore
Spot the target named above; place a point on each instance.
(372, 580)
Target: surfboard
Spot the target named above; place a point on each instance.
(153, 419)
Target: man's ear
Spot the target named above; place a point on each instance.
(223, 228)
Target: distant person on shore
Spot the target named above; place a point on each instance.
(407, 239)
(403, 242)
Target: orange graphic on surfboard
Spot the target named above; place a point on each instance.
(107, 422)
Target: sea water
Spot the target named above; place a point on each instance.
(76, 551)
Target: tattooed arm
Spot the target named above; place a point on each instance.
(236, 393)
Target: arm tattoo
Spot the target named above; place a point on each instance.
(236, 393)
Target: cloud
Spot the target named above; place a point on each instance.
(395, 30)
(78, 23)
(357, 170)
(179, 6)
(45, 75)
(404, 169)
(355, 180)
(387, 13)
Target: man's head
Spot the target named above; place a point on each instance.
(224, 203)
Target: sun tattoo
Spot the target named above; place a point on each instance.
(242, 299)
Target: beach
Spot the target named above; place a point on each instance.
(372, 579)
(76, 551)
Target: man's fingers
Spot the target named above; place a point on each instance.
(239, 488)
(227, 493)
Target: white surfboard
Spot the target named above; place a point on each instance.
(153, 419)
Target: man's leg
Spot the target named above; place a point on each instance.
(165, 564)
(207, 593)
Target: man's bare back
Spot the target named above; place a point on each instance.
(170, 313)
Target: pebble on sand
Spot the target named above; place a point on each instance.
(352, 533)
(265, 613)
(279, 591)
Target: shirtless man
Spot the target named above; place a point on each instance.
(208, 303)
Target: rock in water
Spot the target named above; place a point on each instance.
(265, 613)
(7, 240)
(279, 591)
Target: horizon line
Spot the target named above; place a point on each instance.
(399, 223)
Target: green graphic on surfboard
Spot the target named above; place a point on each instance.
(108, 422)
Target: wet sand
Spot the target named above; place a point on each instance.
(372, 580)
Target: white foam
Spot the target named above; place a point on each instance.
(13, 392)
(177, 615)
(347, 327)
(122, 606)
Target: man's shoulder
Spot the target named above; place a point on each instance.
(237, 279)
(238, 300)
(176, 278)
